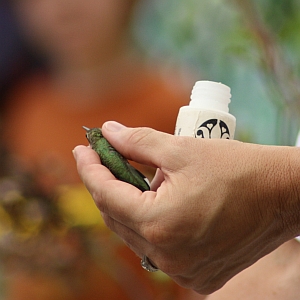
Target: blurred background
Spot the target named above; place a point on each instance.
(64, 64)
(252, 46)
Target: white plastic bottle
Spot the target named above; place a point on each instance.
(207, 115)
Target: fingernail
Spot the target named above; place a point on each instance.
(113, 126)
(74, 153)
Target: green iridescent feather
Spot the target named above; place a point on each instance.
(114, 161)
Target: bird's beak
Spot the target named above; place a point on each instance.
(86, 128)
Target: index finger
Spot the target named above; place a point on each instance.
(120, 200)
(89, 166)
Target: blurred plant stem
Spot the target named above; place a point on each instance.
(280, 74)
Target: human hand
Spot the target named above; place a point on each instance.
(215, 207)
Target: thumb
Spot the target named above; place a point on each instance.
(143, 145)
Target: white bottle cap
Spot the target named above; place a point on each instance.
(210, 95)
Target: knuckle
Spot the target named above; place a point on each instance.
(153, 236)
(157, 234)
(183, 281)
(109, 222)
(176, 148)
(208, 289)
(100, 199)
(198, 284)
(139, 136)
(170, 267)
(97, 197)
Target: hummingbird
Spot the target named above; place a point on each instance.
(114, 161)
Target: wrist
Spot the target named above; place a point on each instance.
(284, 189)
(276, 179)
(293, 199)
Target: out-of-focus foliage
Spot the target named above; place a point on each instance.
(250, 45)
